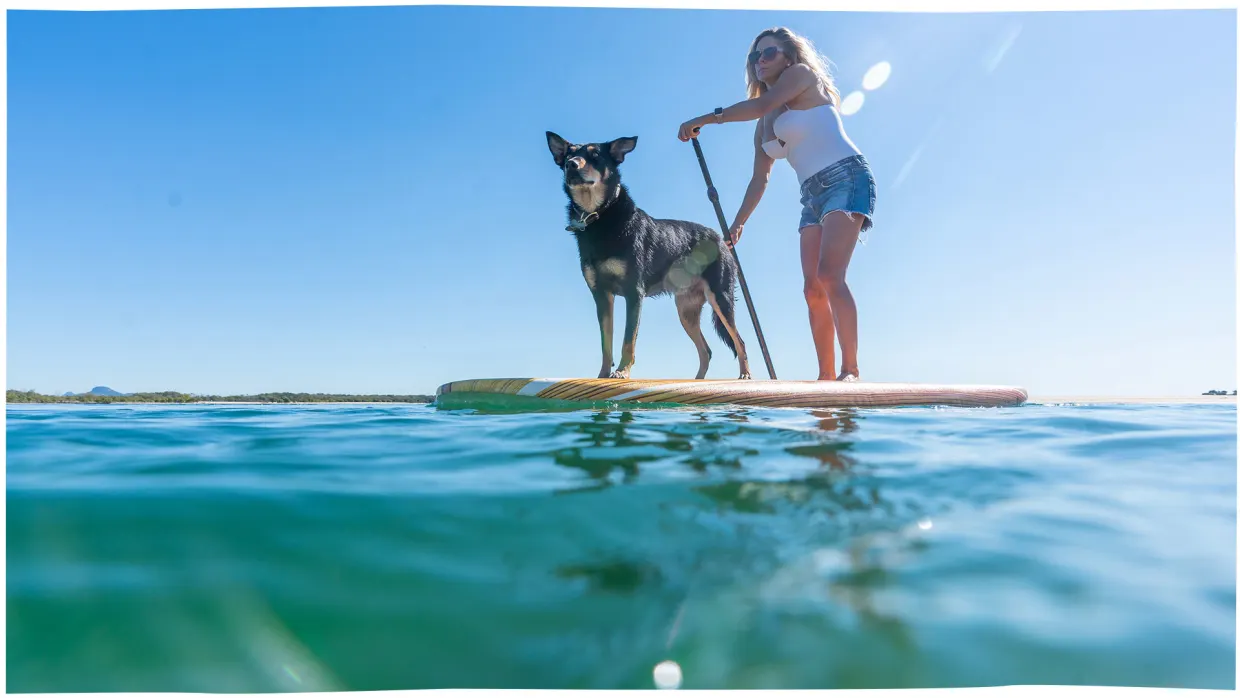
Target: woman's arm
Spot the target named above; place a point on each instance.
(762, 164)
(791, 83)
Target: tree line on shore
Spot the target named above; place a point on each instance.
(172, 396)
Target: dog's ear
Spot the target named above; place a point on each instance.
(558, 146)
(621, 147)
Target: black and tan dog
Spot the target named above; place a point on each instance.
(624, 252)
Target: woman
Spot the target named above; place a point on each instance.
(796, 105)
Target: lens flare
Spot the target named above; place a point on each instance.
(852, 103)
(876, 76)
(667, 675)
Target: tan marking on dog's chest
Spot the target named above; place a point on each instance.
(613, 267)
(588, 197)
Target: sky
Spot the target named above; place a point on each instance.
(361, 200)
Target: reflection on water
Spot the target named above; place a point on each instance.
(832, 452)
(612, 446)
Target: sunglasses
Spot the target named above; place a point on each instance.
(765, 54)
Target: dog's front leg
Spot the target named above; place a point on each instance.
(604, 303)
(632, 317)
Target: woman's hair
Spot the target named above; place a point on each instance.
(800, 50)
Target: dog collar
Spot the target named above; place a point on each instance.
(578, 225)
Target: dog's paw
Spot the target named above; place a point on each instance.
(745, 376)
(618, 373)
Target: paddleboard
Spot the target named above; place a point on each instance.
(757, 393)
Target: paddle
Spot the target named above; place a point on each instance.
(723, 225)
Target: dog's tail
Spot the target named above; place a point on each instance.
(721, 277)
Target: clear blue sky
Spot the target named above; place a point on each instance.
(362, 200)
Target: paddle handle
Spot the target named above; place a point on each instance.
(723, 226)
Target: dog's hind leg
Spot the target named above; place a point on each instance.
(689, 306)
(720, 278)
(604, 304)
(725, 321)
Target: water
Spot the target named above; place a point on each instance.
(292, 548)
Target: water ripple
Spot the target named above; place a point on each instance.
(246, 548)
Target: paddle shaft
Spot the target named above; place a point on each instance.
(723, 225)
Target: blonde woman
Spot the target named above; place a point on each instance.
(796, 105)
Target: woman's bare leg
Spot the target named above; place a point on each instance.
(821, 321)
(838, 240)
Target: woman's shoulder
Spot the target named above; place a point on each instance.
(799, 72)
(795, 80)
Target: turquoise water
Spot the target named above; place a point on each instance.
(295, 548)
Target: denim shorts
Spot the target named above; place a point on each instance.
(846, 185)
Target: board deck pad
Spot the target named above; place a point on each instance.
(757, 393)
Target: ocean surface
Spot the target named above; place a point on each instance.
(302, 548)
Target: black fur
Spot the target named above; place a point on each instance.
(625, 252)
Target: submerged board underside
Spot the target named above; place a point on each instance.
(758, 393)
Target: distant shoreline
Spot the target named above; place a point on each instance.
(23, 397)
(1143, 400)
(218, 403)
(29, 397)
(340, 401)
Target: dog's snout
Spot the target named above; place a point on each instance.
(574, 163)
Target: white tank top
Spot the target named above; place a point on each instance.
(812, 139)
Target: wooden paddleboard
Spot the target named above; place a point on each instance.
(758, 393)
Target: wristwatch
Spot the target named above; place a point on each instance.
(719, 115)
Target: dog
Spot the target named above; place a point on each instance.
(625, 252)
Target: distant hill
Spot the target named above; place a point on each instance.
(98, 390)
(104, 390)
